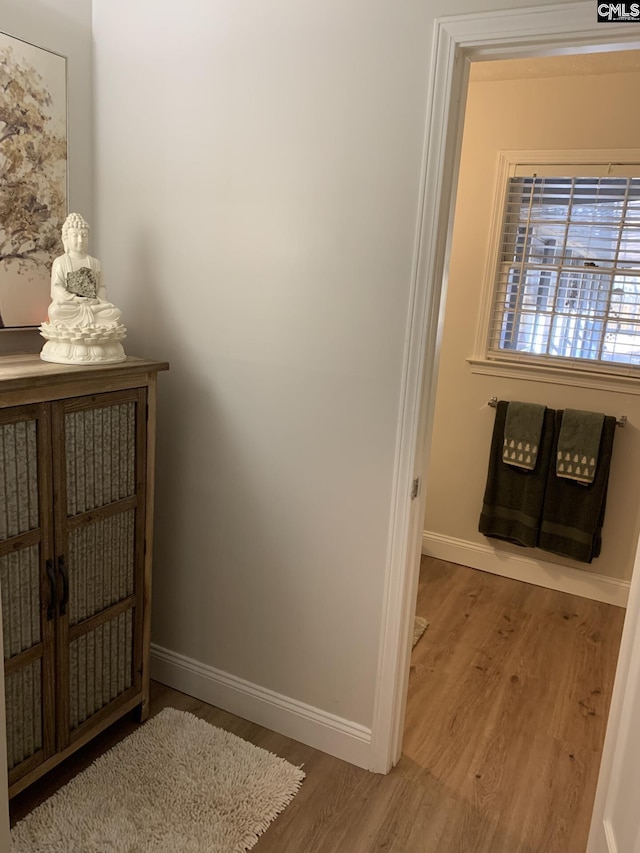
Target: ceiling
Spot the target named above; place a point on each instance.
(606, 62)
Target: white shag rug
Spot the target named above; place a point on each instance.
(420, 625)
(176, 785)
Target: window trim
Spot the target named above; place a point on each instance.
(512, 162)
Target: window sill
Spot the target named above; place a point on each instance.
(575, 376)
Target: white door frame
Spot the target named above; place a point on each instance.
(535, 31)
(621, 739)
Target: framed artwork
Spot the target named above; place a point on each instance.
(33, 177)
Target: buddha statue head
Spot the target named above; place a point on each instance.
(75, 235)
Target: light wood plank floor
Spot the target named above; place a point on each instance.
(508, 698)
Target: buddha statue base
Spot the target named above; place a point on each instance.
(82, 345)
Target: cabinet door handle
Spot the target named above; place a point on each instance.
(51, 608)
(65, 585)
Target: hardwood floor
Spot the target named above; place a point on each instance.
(508, 698)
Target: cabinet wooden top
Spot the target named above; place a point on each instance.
(29, 371)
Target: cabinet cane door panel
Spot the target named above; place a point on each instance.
(99, 477)
(27, 583)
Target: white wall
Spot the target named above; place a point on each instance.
(257, 193)
(258, 171)
(523, 112)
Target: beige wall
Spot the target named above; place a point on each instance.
(558, 112)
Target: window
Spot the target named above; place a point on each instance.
(567, 284)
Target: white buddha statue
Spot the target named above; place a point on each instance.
(82, 327)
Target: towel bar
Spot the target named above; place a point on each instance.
(621, 421)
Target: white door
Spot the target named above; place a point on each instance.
(615, 826)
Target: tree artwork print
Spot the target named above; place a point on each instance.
(33, 177)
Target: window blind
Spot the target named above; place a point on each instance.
(568, 272)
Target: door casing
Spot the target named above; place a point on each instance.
(457, 41)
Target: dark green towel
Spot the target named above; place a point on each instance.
(512, 505)
(522, 431)
(573, 513)
(578, 445)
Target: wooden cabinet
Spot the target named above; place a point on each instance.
(77, 450)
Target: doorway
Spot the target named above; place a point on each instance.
(478, 678)
(568, 28)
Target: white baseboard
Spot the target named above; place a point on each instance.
(331, 734)
(526, 568)
(612, 847)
